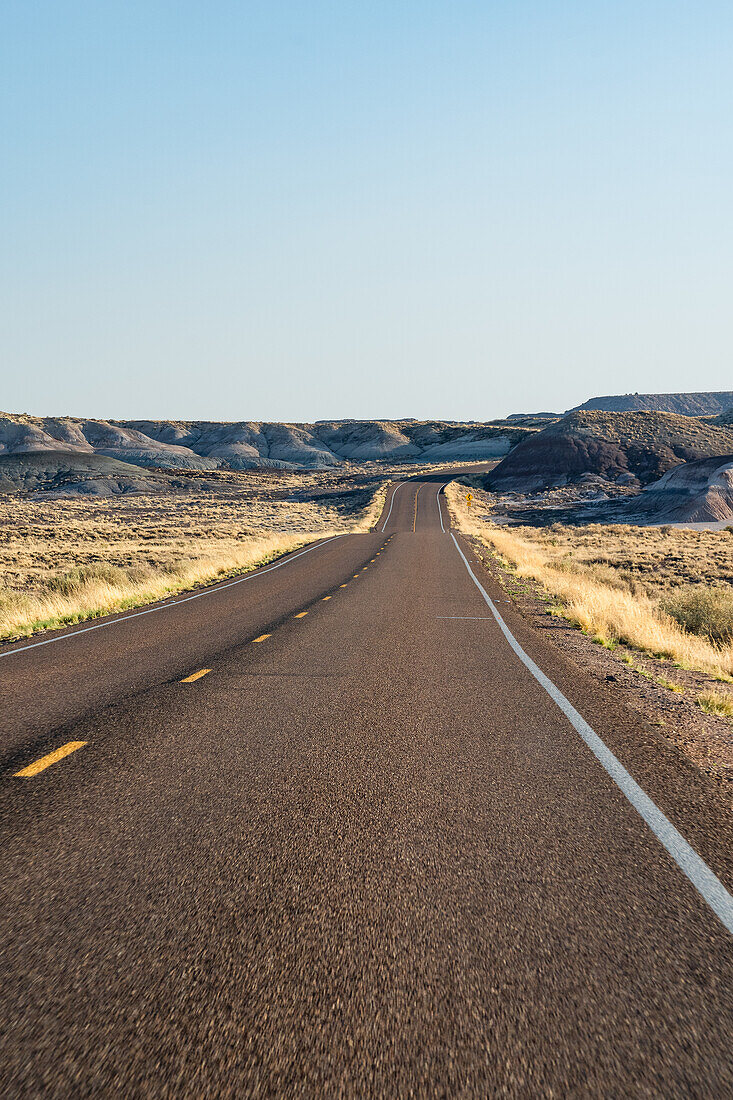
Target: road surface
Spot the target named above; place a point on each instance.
(365, 853)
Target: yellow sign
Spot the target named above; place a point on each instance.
(469, 498)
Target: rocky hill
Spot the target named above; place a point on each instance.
(685, 404)
(203, 445)
(695, 492)
(615, 446)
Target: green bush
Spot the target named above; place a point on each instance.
(702, 609)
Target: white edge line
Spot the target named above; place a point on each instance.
(391, 502)
(696, 870)
(171, 603)
(440, 514)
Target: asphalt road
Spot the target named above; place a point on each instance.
(365, 854)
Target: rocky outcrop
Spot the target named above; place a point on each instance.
(695, 492)
(684, 404)
(614, 446)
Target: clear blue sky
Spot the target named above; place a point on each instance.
(298, 210)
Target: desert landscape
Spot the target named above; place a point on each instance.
(619, 512)
(76, 549)
(82, 445)
(366, 661)
(101, 515)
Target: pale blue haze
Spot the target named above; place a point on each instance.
(301, 210)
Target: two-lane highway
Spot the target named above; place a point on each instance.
(341, 839)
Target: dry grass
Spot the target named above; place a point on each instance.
(611, 581)
(69, 559)
(670, 685)
(87, 592)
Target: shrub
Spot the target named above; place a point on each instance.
(702, 609)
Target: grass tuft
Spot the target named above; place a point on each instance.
(671, 685)
(713, 702)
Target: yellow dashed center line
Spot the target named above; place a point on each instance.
(326, 597)
(195, 676)
(262, 637)
(343, 586)
(300, 615)
(356, 576)
(52, 758)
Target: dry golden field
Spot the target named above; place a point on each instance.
(663, 590)
(70, 558)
